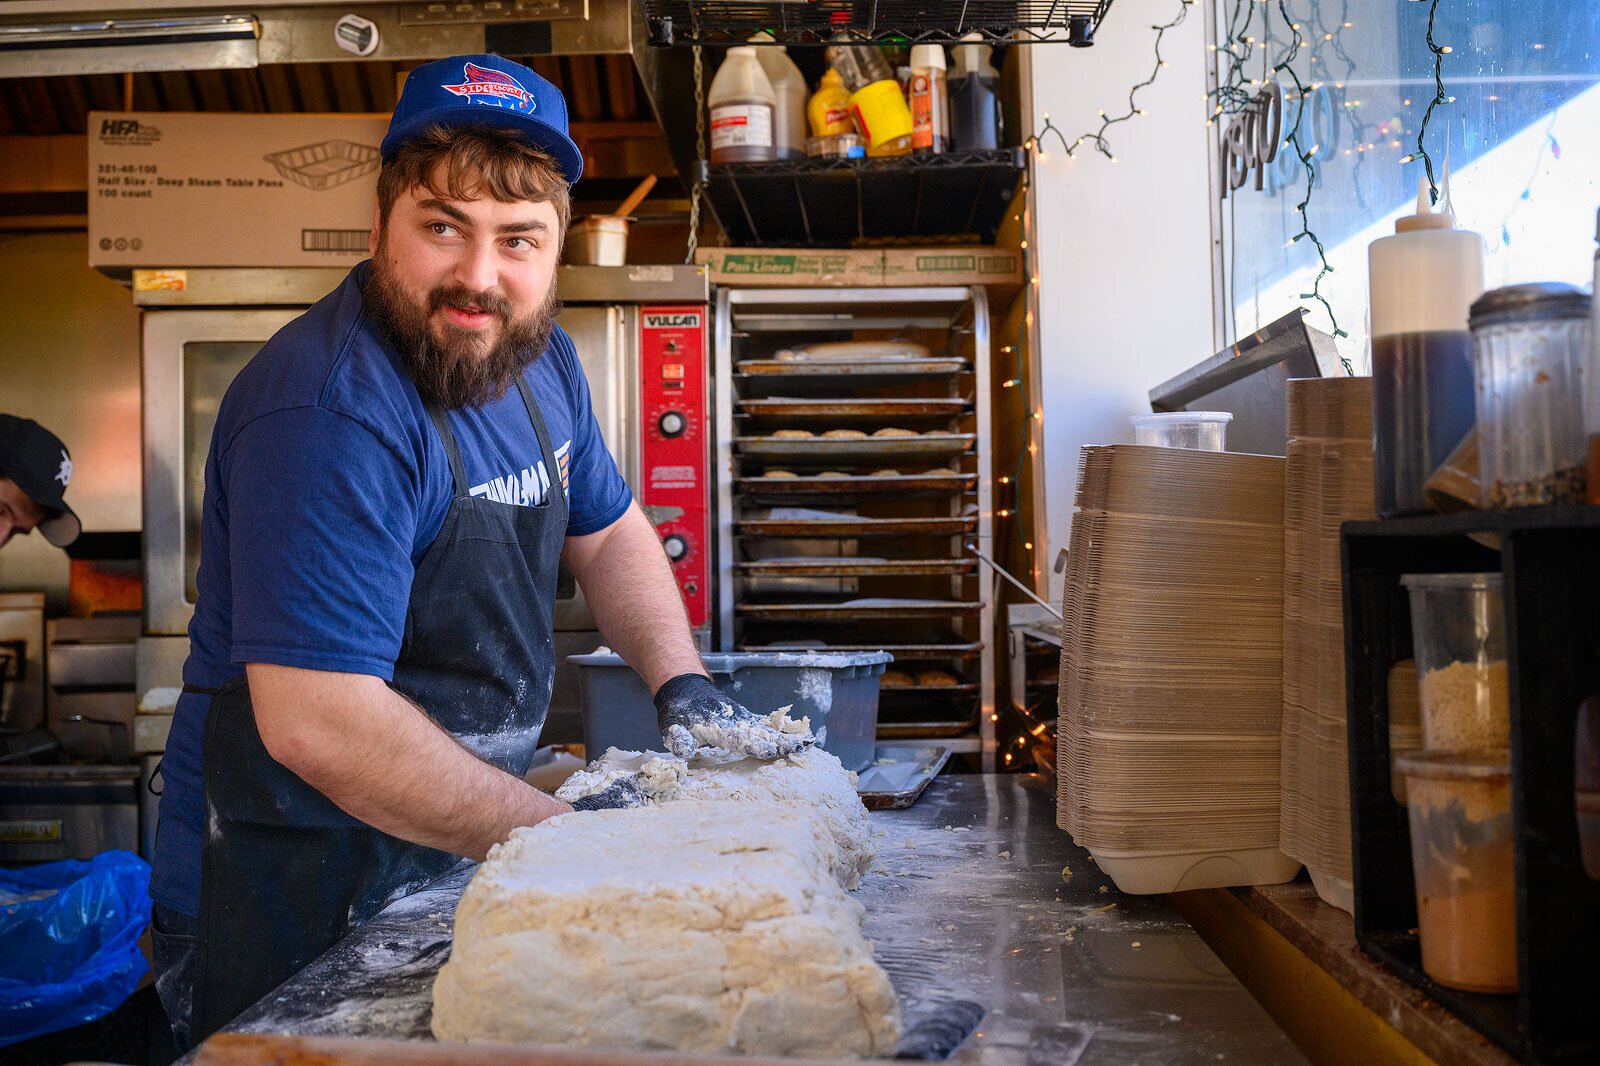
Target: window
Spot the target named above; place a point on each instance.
(1521, 130)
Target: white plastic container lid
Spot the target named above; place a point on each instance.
(927, 55)
(1181, 418)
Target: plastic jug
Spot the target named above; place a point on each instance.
(829, 109)
(975, 97)
(741, 104)
(789, 96)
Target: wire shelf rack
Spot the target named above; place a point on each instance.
(800, 22)
(956, 197)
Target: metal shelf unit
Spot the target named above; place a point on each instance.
(916, 481)
(952, 197)
(670, 22)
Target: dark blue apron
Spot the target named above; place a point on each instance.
(284, 872)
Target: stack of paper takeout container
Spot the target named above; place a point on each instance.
(1172, 668)
(1327, 481)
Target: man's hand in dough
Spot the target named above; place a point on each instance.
(693, 712)
(621, 792)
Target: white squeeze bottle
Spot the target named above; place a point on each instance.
(790, 93)
(741, 104)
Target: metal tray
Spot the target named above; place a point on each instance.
(858, 368)
(965, 688)
(928, 761)
(925, 445)
(870, 409)
(855, 527)
(856, 484)
(844, 567)
(840, 612)
(925, 730)
(901, 652)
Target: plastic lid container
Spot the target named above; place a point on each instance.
(1197, 431)
(1463, 682)
(1530, 343)
(836, 146)
(1461, 855)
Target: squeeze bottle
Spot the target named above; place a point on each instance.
(829, 109)
(930, 101)
(1422, 282)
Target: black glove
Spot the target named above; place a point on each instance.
(693, 712)
(623, 792)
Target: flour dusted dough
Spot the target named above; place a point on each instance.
(673, 927)
(810, 780)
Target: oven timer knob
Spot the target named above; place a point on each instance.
(676, 547)
(672, 424)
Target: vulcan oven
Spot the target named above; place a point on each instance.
(640, 333)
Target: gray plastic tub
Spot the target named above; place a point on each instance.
(838, 691)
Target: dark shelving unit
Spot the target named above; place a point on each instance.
(1548, 558)
(678, 22)
(957, 197)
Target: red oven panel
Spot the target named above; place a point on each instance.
(674, 484)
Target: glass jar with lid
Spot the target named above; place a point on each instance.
(1529, 346)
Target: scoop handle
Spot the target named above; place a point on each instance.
(636, 197)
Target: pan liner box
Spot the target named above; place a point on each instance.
(854, 267)
(176, 189)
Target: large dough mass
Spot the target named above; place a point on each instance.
(813, 780)
(713, 921)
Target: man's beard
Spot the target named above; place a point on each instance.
(451, 366)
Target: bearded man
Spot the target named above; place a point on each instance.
(371, 655)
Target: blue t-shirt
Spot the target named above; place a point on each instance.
(326, 483)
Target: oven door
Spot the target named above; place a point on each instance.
(606, 339)
(190, 358)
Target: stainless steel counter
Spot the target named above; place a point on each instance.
(966, 901)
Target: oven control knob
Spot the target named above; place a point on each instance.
(676, 547)
(672, 424)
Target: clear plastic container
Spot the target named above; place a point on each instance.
(1529, 346)
(1461, 854)
(1196, 431)
(1458, 633)
(836, 146)
(599, 240)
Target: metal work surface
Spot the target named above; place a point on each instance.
(966, 901)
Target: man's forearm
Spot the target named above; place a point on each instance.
(628, 585)
(384, 761)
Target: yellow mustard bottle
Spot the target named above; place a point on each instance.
(829, 108)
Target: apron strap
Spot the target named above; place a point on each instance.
(458, 469)
(558, 494)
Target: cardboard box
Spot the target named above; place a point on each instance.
(844, 267)
(172, 189)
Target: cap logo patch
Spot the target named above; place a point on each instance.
(493, 88)
(64, 474)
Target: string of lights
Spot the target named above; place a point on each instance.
(1439, 97)
(1293, 141)
(1098, 137)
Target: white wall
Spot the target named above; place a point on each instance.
(1124, 248)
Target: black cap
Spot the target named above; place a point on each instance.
(38, 462)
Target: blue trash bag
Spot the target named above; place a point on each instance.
(69, 941)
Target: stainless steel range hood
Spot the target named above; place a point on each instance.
(46, 37)
(57, 37)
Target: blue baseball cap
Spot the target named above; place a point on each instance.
(484, 90)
